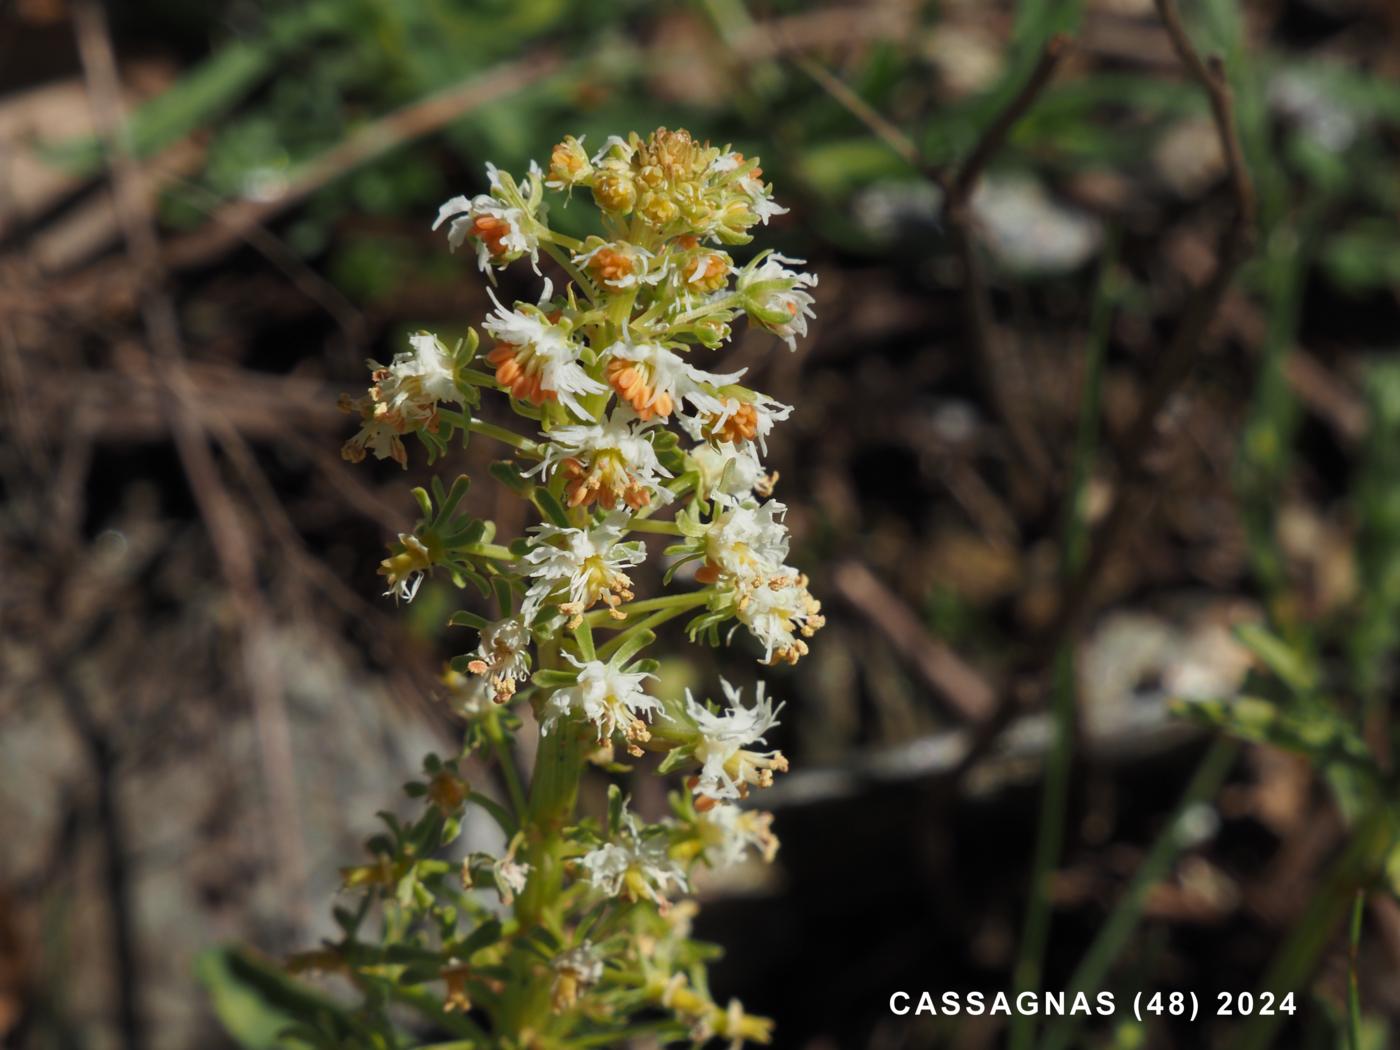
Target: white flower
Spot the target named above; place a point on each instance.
(502, 656)
(585, 564)
(615, 147)
(404, 570)
(502, 221)
(654, 380)
(636, 867)
(738, 421)
(761, 201)
(619, 265)
(404, 399)
(776, 611)
(606, 463)
(575, 970)
(426, 369)
(729, 832)
(727, 767)
(776, 297)
(746, 542)
(606, 696)
(511, 876)
(469, 696)
(536, 360)
(729, 473)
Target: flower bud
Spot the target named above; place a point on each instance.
(569, 165)
(615, 191)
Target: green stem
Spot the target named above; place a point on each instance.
(1049, 843)
(509, 437)
(553, 794)
(1113, 937)
(664, 528)
(579, 277)
(554, 787)
(658, 617)
(1371, 841)
(1358, 909)
(689, 600)
(511, 775)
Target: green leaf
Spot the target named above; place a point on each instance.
(630, 646)
(425, 503)
(467, 618)
(552, 679)
(550, 507)
(256, 1002)
(447, 504)
(1279, 657)
(508, 474)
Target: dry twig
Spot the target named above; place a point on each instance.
(220, 515)
(946, 673)
(1132, 495)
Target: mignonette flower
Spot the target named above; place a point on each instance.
(606, 463)
(607, 371)
(748, 176)
(738, 421)
(780, 612)
(727, 766)
(536, 360)
(746, 542)
(618, 265)
(510, 876)
(575, 971)
(730, 474)
(503, 222)
(776, 298)
(404, 399)
(405, 569)
(503, 657)
(469, 696)
(728, 831)
(654, 380)
(569, 165)
(636, 867)
(584, 566)
(611, 699)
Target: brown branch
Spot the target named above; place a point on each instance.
(237, 222)
(102, 761)
(875, 121)
(991, 361)
(1133, 496)
(960, 187)
(179, 398)
(946, 673)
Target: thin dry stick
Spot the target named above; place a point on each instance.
(942, 670)
(235, 222)
(178, 397)
(958, 188)
(994, 136)
(898, 142)
(1133, 497)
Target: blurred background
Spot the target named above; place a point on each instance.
(204, 700)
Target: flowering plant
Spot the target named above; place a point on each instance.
(576, 934)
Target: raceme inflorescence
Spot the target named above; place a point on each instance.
(576, 931)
